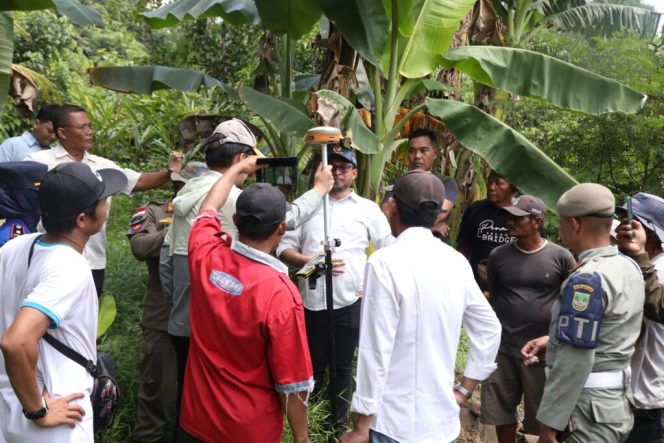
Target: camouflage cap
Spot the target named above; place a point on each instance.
(586, 200)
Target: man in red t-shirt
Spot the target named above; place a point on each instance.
(248, 359)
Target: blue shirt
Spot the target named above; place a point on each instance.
(15, 149)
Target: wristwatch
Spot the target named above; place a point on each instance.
(463, 391)
(39, 413)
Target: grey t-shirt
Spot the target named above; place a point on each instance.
(523, 286)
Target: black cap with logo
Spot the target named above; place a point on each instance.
(70, 188)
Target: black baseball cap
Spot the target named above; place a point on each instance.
(417, 187)
(70, 188)
(261, 203)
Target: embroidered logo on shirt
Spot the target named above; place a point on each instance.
(581, 297)
(226, 283)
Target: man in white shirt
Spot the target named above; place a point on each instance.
(46, 286)
(75, 132)
(355, 221)
(42, 135)
(418, 293)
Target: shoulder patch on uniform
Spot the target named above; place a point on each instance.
(135, 228)
(139, 211)
(581, 310)
(226, 283)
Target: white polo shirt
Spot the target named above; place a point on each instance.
(355, 221)
(59, 284)
(419, 291)
(95, 250)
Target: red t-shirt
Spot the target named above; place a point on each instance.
(248, 340)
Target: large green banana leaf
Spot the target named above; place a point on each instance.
(436, 23)
(363, 24)
(604, 19)
(236, 12)
(362, 138)
(537, 75)
(292, 17)
(504, 149)
(405, 15)
(146, 79)
(107, 313)
(76, 12)
(6, 53)
(288, 116)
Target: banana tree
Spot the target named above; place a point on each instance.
(525, 17)
(402, 43)
(77, 12)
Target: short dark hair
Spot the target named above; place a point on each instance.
(45, 114)
(423, 217)
(221, 155)
(60, 116)
(63, 225)
(424, 132)
(252, 228)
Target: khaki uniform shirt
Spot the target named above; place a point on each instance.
(569, 366)
(147, 230)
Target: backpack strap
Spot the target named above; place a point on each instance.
(32, 248)
(68, 352)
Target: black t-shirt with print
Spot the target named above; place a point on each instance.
(483, 228)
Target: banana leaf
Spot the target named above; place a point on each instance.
(504, 149)
(287, 116)
(605, 19)
(6, 54)
(532, 74)
(292, 17)
(107, 313)
(146, 79)
(362, 138)
(236, 12)
(76, 12)
(363, 24)
(435, 25)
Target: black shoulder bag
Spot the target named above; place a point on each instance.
(105, 395)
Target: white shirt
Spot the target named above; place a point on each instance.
(418, 293)
(355, 221)
(59, 284)
(95, 250)
(648, 360)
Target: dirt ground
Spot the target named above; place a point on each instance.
(472, 431)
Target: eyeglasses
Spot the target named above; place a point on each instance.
(87, 126)
(343, 168)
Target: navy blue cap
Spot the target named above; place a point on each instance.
(342, 153)
(21, 175)
(649, 210)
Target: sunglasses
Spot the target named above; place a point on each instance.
(343, 168)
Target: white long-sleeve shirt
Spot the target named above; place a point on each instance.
(418, 293)
(355, 221)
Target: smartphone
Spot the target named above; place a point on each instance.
(629, 210)
(280, 171)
